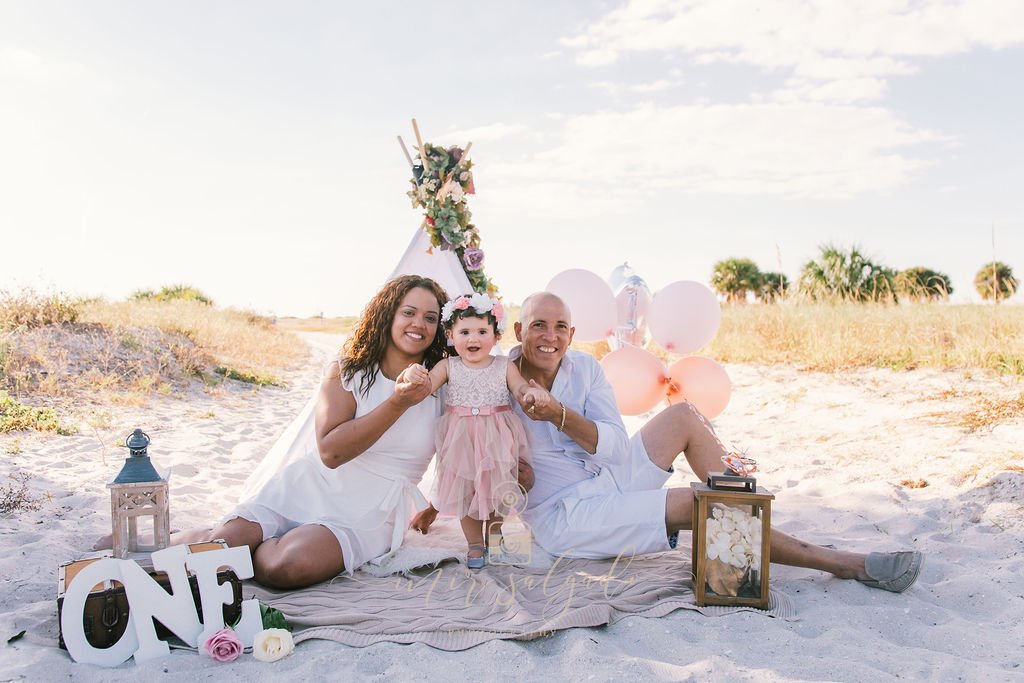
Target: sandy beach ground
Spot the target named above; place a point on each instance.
(833, 447)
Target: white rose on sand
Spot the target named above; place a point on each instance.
(272, 644)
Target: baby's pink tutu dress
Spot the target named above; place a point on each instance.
(479, 443)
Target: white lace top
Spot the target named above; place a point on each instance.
(474, 388)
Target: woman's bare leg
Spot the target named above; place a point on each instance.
(303, 556)
(236, 532)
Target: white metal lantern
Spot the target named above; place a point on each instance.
(138, 492)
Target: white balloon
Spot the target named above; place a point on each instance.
(619, 275)
(684, 316)
(590, 302)
(633, 299)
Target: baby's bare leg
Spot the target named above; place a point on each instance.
(473, 530)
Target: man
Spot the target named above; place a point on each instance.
(598, 493)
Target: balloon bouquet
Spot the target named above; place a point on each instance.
(682, 317)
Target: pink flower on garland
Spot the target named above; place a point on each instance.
(473, 258)
(461, 304)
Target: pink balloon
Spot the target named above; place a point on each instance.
(590, 302)
(637, 377)
(684, 316)
(702, 382)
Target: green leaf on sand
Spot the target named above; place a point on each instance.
(272, 618)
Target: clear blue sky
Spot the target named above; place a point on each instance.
(248, 148)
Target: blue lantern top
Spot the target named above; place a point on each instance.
(137, 466)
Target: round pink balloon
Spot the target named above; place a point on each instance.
(590, 302)
(637, 377)
(702, 382)
(684, 316)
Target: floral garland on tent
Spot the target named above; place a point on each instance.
(441, 183)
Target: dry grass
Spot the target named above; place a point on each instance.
(124, 352)
(834, 337)
(342, 325)
(30, 309)
(16, 496)
(234, 339)
(991, 412)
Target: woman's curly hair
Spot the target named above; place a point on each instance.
(371, 335)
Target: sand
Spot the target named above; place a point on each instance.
(833, 447)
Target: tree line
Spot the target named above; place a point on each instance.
(846, 274)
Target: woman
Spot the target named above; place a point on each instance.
(333, 510)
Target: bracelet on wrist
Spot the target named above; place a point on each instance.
(561, 426)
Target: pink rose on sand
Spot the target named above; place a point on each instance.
(223, 646)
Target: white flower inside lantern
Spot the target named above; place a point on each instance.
(731, 541)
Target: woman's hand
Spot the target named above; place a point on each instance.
(412, 385)
(423, 519)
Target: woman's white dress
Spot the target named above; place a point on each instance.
(367, 502)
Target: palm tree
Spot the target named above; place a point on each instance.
(733, 278)
(846, 276)
(774, 286)
(923, 284)
(995, 281)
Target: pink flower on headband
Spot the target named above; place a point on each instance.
(480, 303)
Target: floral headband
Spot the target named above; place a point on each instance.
(479, 302)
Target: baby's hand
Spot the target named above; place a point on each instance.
(412, 385)
(532, 396)
(414, 374)
(418, 374)
(536, 402)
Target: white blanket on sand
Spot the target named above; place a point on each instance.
(449, 607)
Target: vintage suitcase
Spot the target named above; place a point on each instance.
(106, 609)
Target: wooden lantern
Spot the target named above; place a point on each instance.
(138, 492)
(731, 541)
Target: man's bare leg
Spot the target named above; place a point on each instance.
(680, 428)
(785, 549)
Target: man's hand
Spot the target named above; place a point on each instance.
(526, 477)
(423, 519)
(539, 404)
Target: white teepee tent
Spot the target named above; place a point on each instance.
(441, 266)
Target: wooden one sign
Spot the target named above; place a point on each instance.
(147, 600)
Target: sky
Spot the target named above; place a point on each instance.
(249, 148)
